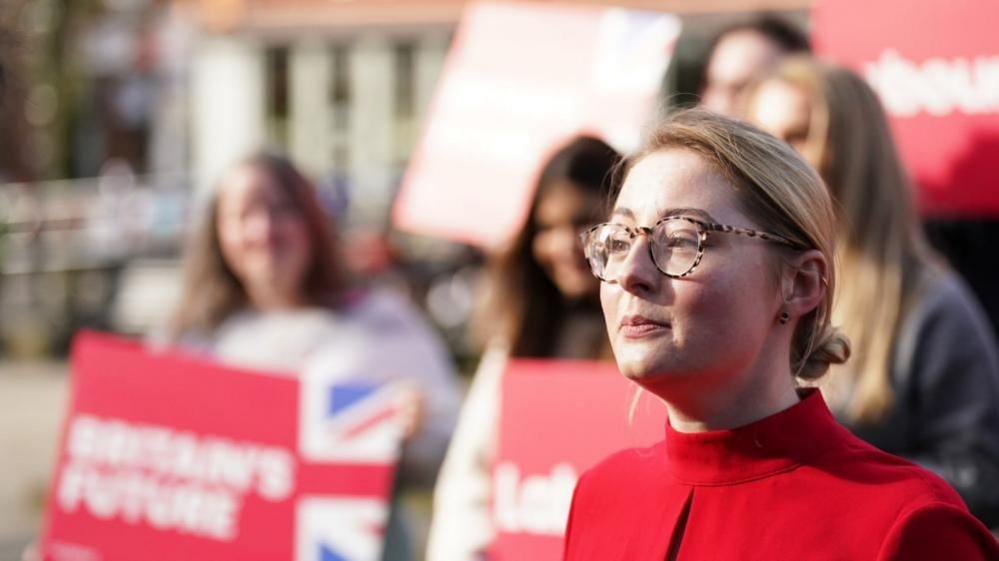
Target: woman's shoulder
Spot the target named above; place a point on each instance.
(938, 530)
(383, 309)
(891, 498)
(635, 465)
(625, 491)
(385, 335)
(896, 483)
(915, 514)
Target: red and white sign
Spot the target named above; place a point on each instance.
(165, 457)
(936, 68)
(558, 419)
(520, 79)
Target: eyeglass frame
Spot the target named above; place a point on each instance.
(704, 228)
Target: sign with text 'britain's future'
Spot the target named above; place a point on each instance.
(167, 457)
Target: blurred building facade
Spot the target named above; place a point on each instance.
(343, 87)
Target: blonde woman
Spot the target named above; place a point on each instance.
(717, 270)
(924, 379)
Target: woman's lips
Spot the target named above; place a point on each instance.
(636, 327)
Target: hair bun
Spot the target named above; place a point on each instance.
(833, 347)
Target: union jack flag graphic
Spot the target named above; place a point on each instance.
(340, 529)
(348, 422)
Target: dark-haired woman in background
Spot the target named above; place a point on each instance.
(543, 303)
(266, 289)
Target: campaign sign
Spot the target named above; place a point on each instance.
(520, 79)
(558, 419)
(168, 457)
(935, 66)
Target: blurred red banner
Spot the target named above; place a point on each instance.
(936, 67)
(558, 418)
(164, 457)
(519, 79)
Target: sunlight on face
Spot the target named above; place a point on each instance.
(704, 328)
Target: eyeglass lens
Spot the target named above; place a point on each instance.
(675, 244)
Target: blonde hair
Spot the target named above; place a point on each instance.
(779, 191)
(882, 248)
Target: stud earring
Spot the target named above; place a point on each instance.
(784, 317)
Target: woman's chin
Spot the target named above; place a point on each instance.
(639, 372)
(654, 375)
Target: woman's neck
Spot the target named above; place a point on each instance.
(721, 412)
(728, 401)
(269, 299)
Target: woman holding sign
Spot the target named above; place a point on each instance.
(543, 304)
(924, 379)
(717, 281)
(266, 289)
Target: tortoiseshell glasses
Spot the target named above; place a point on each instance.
(676, 244)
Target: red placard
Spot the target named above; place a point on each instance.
(521, 78)
(165, 457)
(558, 418)
(936, 67)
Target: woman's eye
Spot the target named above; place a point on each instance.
(618, 246)
(681, 240)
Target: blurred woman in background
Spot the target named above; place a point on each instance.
(543, 303)
(924, 379)
(266, 289)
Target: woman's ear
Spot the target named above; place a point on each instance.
(804, 282)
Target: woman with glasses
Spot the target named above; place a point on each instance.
(924, 379)
(265, 289)
(543, 303)
(717, 280)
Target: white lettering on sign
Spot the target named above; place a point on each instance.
(937, 86)
(167, 479)
(533, 504)
(136, 498)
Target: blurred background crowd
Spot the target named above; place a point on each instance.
(121, 123)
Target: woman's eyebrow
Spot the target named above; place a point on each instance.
(686, 211)
(666, 213)
(624, 213)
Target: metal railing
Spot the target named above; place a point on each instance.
(64, 247)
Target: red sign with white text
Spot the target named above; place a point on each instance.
(558, 419)
(936, 68)
(520, 79)
(165, 457)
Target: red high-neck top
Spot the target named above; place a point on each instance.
(794, 486)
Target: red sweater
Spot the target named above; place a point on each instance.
(794, 486)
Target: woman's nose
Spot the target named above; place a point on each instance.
(260, 225)
(567, 241)
(638, 274)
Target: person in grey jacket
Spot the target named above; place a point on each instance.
(943, 373)
(924, 379)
